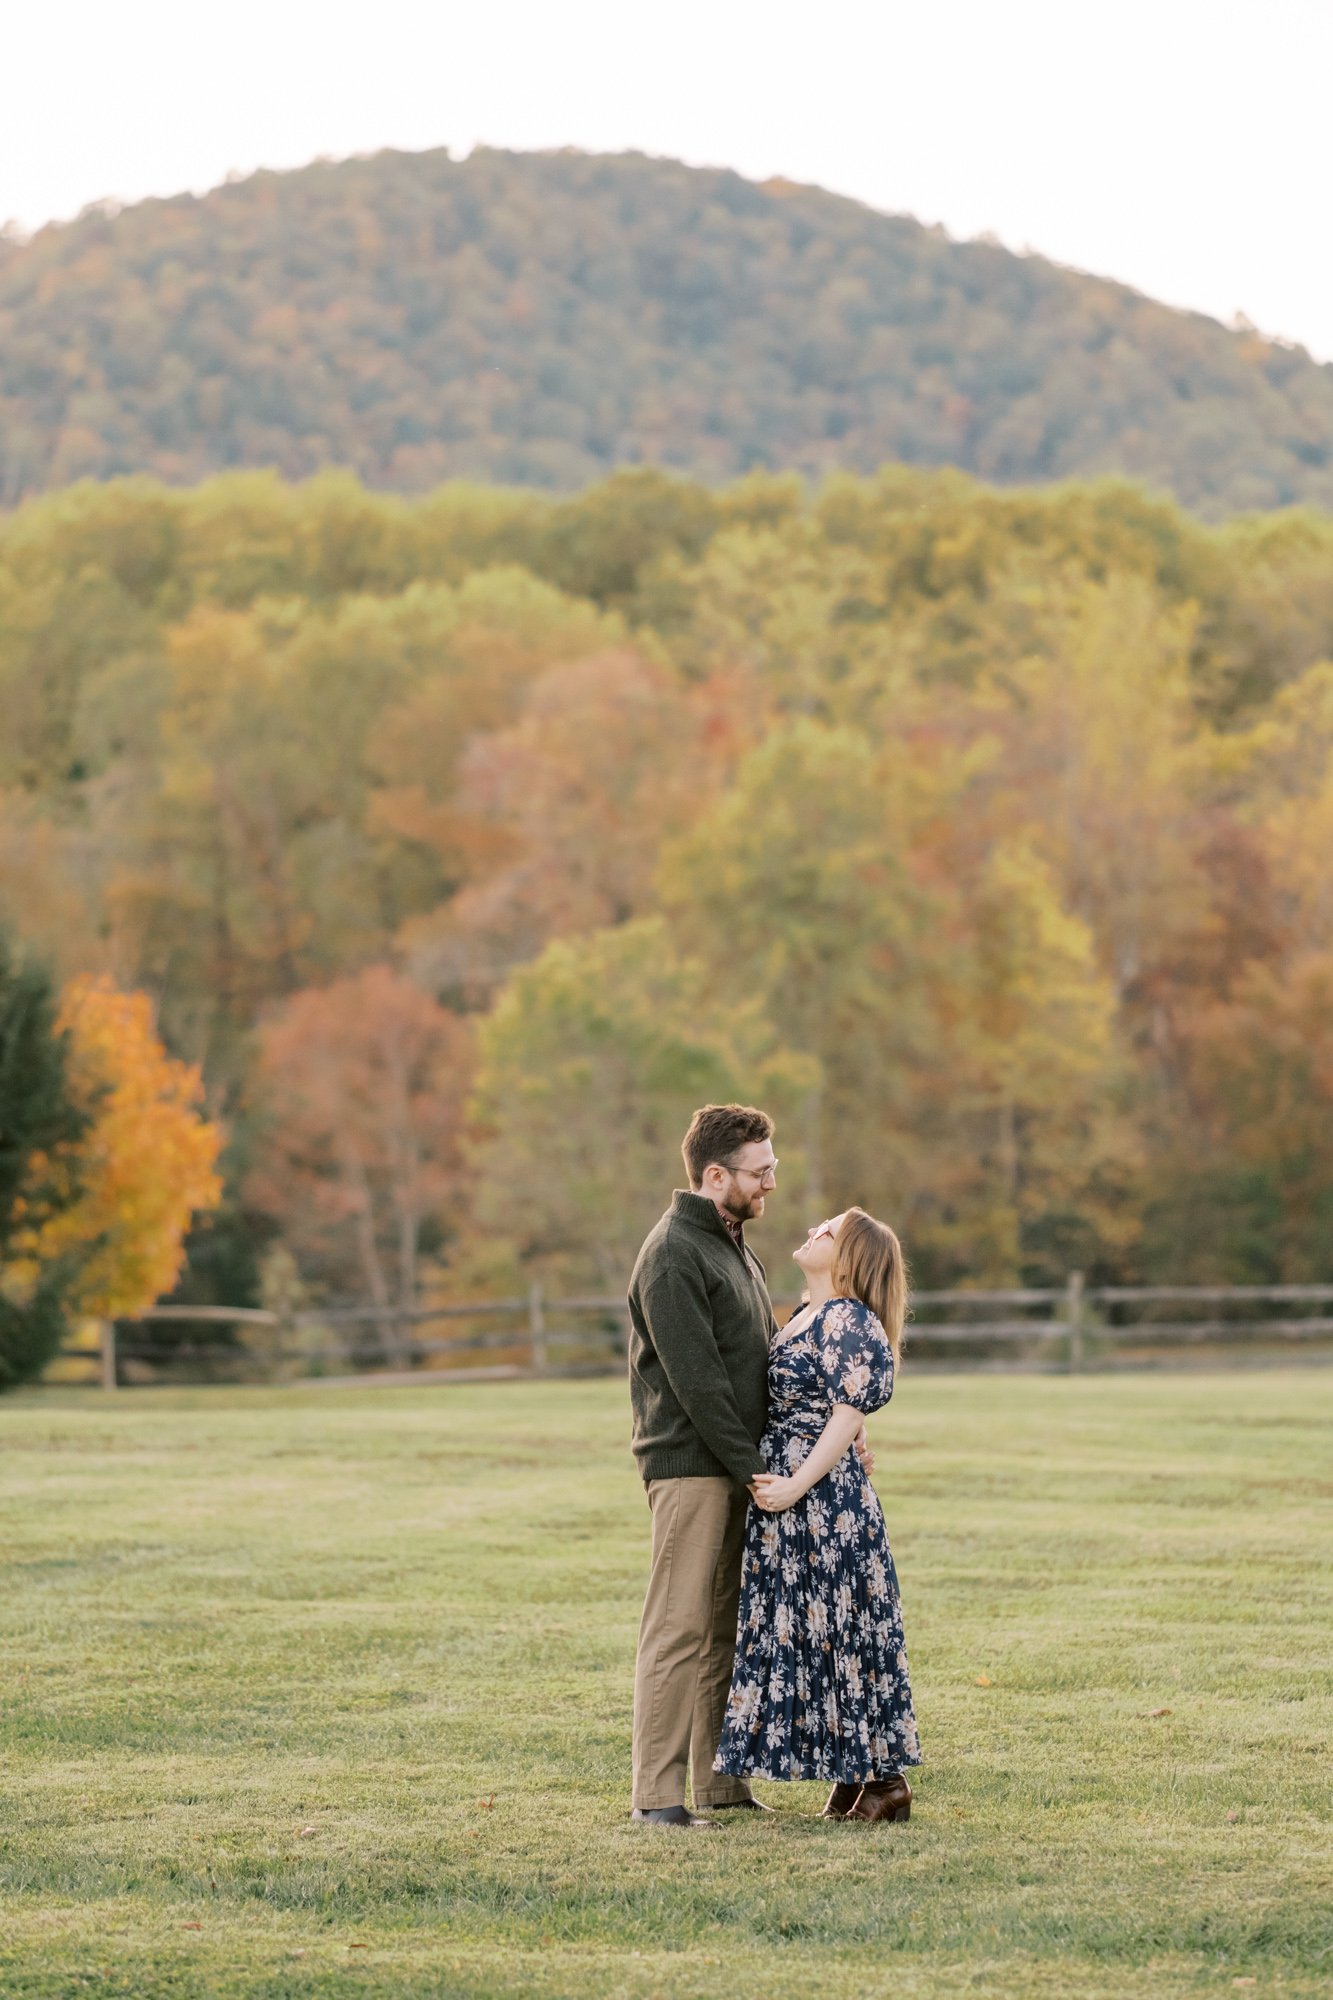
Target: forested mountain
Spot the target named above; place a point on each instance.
(469, 842)
(539, 318)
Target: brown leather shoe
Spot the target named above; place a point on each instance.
(887, 1799)
(840, 1801)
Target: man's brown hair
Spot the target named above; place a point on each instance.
(717, 1133)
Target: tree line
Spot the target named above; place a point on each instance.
(461, 846)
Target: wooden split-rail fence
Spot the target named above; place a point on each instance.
(1069, 1328)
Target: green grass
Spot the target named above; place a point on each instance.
(405, 1619)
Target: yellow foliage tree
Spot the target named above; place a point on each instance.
(146, 1165)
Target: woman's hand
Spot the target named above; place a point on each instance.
(773, 1494)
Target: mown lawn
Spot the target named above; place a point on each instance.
(326, 1692)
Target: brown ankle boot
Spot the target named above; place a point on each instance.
(885, 1799)
(840, 1801)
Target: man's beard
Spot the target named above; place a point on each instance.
(740, 1207)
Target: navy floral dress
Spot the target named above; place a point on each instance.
(820, 1687)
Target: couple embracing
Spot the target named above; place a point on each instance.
(771, 1643)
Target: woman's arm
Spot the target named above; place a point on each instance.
(774, 1494)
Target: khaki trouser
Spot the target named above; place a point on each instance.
(687, 1641)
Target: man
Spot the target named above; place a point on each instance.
(701, 1323)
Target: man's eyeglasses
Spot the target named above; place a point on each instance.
(764, 1175)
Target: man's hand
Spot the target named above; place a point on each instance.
(863, 1452)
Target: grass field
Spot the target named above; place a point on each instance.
(326, 1692)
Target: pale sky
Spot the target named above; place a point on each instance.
(1181, 145)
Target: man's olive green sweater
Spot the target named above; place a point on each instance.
(701, 1322)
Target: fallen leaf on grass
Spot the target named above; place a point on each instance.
(297, 1954)
(1153, 1713)
(1245, 1982)
(982, 1681)
(1233, 1817)
(487, 1804)
(358, 1945)
(304, 1832)
(192, 1927)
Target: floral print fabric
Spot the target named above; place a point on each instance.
(820, 1686)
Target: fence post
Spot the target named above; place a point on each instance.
(401, 1336)
(1074, 1321)
(108, 1354)
(537, 1327)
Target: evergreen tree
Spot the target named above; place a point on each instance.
(38, 1120)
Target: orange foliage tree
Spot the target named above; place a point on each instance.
(146, 1164)
(561, 815)
(361, 1087)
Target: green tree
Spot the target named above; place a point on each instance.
(39, 1120)
(602, 543)
(591, 1063)
(794, 891)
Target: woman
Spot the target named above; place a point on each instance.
(820, 1687)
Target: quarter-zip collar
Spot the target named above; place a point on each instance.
(703, 1213)
(697, 1208)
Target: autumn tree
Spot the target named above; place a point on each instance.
(360, 1088)
(507, 630)
(1242, 1167)
(563, 814)
(296, 805)
(1039, 1172)
(144, 1168)
(1279, 774)
(1241, 1190)
(959, 1025)
(1102, 752)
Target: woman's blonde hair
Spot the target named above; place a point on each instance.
(868, 1265)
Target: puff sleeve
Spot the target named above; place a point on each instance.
(855, 1358)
